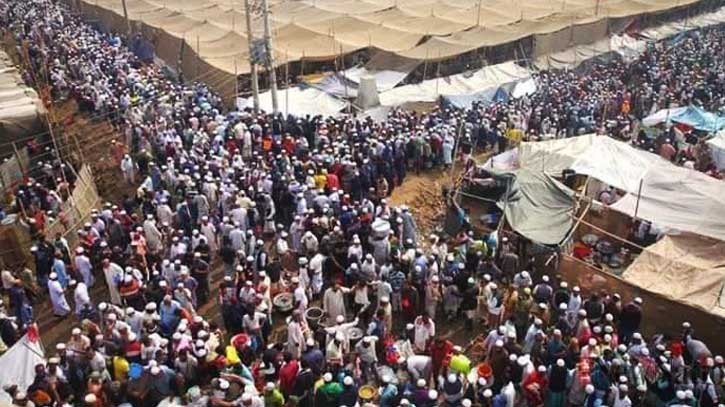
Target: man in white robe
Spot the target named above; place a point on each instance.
(57, 297)
(296, 342)
(128, 168)
(164, 213)
(84, 267)
(209, 231)
(333, 302)
(154, 237)
(113, 273)
(80, 296)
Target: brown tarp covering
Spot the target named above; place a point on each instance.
(686, 268)
(21, 111)
(323, 29)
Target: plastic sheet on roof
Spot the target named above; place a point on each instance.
(456, 85)
(300, 101)
(692, 116)
(538, 206)
(671, 196)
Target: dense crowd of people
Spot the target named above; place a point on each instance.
(328, 295)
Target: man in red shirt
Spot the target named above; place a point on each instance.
(440, 352)
(333, 182)
(288, 374)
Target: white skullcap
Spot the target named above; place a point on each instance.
(347, 381)
(432, 394)
(327, 377)
(90, 398)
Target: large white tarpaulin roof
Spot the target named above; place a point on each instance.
(671, 196)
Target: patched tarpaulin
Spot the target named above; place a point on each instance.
(537, 206)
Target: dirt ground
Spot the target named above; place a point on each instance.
(84, 141)
(89, 141)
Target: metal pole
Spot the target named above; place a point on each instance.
(425, 64)
(236, 81)
(286, 83)
(639, 195)
(270, 56)
(438, 72)
(20, 162)
(344, 81)
(198, 56)
(125, 16)
(252, 65)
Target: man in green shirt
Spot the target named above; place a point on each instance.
(272, 396)
(329, 393)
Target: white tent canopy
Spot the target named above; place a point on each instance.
(488, 77)
(17, 365)
(671, 196)
(662, 116)
(299, 101)
(717, 149)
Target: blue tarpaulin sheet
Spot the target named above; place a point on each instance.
(692, 116)
(488, 96)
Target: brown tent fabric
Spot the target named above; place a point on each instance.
(322, 29)
(686, 268)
